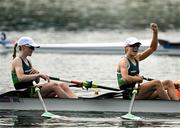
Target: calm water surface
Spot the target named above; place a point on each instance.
(98, 68)
(85, 119)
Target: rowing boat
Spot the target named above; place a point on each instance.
(168, 48)
(101, 103)
(98, 48)
(95, 48)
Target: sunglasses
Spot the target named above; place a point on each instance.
(31, 47)
(135, 45)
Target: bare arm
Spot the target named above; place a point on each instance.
(34, 71)
(123, 67)
(17, 67)
(153, 45)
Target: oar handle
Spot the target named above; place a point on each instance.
(148, 79)
(54, 78)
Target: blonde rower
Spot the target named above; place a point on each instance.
(23, 73)
(129, 74)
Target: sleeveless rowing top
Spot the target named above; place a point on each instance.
(22, 85)
(133, 69)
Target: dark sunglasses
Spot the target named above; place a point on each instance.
(31, 47)
(134, 45)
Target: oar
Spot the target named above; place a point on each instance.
(85, 84)
(148, 79)
(46, 113)
(130, 116)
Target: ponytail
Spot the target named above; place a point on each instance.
(14, 52)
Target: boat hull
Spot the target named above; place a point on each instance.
(96, 105)
(98, 48)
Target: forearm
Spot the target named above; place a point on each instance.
(132, 79)
(30, 77)
(154, 41)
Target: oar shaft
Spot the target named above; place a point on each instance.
(108, 88)
(66, 81)
(41, 100)
(84, 84)
(133, 98)
(148, 79)
(132, 103)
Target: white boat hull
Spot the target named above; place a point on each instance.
(105, 105)
(81, 48)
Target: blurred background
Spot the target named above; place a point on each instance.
(102, 19)
(73, 15)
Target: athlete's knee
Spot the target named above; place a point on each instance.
(168, 84)
(63, 85)
(53, 85)
(157, 83)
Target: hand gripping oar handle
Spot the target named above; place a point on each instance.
(85, 84)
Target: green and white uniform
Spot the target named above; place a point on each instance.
(133, 69)
(28, 85)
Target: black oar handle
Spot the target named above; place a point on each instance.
(148, 79)
(54, 78)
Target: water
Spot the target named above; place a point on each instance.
(99, 68)
(85, 119)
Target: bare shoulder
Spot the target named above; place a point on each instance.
(16, 61)
(123, 62)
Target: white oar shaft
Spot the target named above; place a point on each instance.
(130, 116)
(133, 98)
(132, 103)
(41, 100)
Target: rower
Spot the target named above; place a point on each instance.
(128, 72)
(24, 74)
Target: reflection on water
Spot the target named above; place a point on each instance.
(86, 119)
